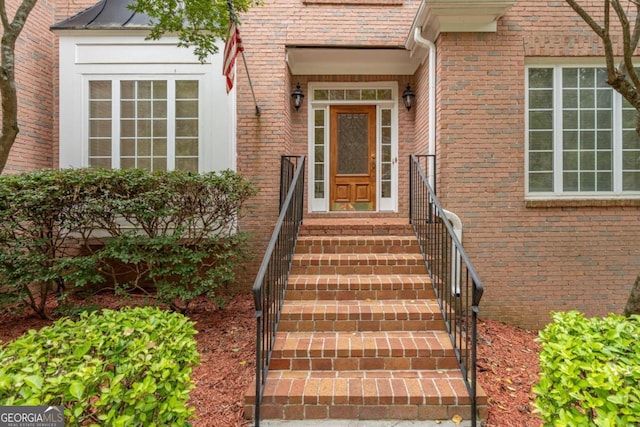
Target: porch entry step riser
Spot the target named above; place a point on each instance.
(338, 295)
(367, 264)
(397, 394)
(361, 315)
(359, 287)
(356, 227)
(362, 344)
(356, 244)
(358, 269)
(360, 325)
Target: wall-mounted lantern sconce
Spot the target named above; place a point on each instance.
(408, 96)
(297, 97)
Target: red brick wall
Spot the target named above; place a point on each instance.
(34, 60)
(532, 260)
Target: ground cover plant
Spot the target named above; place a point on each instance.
(171, 235)
(120, 368)
(589, 371)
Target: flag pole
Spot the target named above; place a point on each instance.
(233, 17)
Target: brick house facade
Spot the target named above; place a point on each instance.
(538, 243)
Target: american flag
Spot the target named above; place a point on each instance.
(232, 47)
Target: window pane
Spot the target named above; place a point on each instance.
(100, 128)
(540, 120)
(187, 89)
(160, 89)
(540, 77)
(100, 89)
(541, 161)
(321, 94)
(187, 164)
(570, 160)
(187, 108)
(570, 77)
(570, 181)
(185, 127)
(541, 99)
(605, 140)
(144, 89)
(605, 98)
(570, 140)
(127, 147)
(97, 162)
(570, 119)
(540, 182)
(100, 109)
(100, 148)
(540, 140)
(187, 147)
(605, 182)
(570, 98)
(160, 164)
(127, 109)
(631, 181)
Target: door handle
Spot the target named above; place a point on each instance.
(373, 162)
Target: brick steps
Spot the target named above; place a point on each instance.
(365, 395)
(370, 263)
(363, 350)
(360, 334)
(357, 244)
(360, 315)
(354, 286)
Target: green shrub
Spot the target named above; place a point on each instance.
(120, 368)
(173, 230)
(589, 371)
(41, 219)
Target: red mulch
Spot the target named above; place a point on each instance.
(507, 362)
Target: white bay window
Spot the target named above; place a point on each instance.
(144, 124)
(126, 102)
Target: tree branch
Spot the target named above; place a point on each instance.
(628, 47)
(586, 17)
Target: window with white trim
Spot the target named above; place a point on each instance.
(581, 138)
(144, 124)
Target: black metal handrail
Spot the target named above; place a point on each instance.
(270, 284)
(455, 281)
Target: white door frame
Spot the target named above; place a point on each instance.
(318, 103)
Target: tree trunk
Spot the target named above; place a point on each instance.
(633, 302)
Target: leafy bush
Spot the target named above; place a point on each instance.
(40, 219)
(174, 230)
(589, 371)
(120, 368)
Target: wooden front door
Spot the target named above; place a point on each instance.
(352, 163)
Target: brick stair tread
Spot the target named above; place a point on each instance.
(357, 244)
(359, 281)
(342, 287)
(362, 310)
(357, 259)
(376, 387)
(362, 344)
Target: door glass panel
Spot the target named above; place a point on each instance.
(353, 143)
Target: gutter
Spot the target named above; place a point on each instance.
(428, 44)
